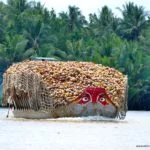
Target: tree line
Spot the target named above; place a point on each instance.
(28, 29)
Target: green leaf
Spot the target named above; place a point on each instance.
(28, 53)
(20, 46)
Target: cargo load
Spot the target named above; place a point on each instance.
(50, 89)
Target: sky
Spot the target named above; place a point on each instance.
(90, 6)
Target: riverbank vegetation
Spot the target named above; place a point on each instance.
(28, 29)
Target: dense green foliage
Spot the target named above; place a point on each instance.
(29, 29)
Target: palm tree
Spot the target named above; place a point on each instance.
(73, 51)
(39, 9)
(75, 18)
(13, 14)
(19, 5)
(103, 22)
(106, 16)
(134, 19)
(14, 50)
(130, 59)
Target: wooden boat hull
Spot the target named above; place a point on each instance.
(72, 110)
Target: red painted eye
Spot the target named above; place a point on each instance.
(85, 99)
(102, 99)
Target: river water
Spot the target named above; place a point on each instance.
(82, 133)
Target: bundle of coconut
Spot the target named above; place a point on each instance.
(48, 85)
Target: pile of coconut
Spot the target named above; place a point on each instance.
(61, 82)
